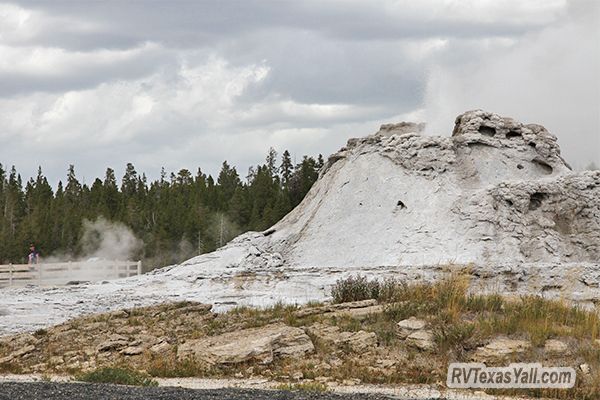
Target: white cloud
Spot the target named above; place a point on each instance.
(121, 110)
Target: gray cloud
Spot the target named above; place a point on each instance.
(184, 23)
(188, 84)
(27, 70)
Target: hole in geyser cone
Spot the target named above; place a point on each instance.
(400, 204)
(520, 166)
(536, 199)
(268, 232)
(543, 166)
(513, 134)
(487, 130)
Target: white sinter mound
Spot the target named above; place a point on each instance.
(495, 199)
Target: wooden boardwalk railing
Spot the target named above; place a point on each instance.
(63, 273)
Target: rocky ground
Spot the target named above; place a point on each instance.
(407, 336)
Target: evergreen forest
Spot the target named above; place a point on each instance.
(176, 216)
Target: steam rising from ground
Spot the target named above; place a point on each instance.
(102, 243)
(102, 239)
(551, 77)
(108, 240)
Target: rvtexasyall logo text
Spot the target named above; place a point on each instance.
(518, 375)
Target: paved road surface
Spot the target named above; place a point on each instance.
(92, 391)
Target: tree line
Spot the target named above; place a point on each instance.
(176, 216)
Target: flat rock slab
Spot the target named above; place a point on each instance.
(354, 307)
(422, 340)
(114, 342)
(500, 349)
(408, 326)
(255, 344)
(18, 353)
(555, 347)
(359, 342)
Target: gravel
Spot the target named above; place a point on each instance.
(86, 391)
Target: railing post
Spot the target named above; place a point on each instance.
(39, 266)
(139, 267)
(10, 274)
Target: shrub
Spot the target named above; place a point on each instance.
(452, 335)
(167, 366)
(40, 332)
(119, 376)
(389, 289)
(355, 288)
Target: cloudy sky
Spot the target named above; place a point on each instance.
(188, 84)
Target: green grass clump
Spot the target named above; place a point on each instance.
(118, 376)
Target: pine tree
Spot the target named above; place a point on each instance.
(72, 214)
(110, 195)
(228, 181)
(286, 169)
(129, 183)
(270, 162)
(320, 162)
(36, 226)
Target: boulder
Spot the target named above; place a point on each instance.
(408, 326)
(114, 342)
(358, 342)
(132, 350)
(17, 354)
(500, 349)
(585, 369)
(261, 345)
(23, 350)
(55, 360)
(422, 340)
(118, 314)
(555, 347)
(160, 347)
